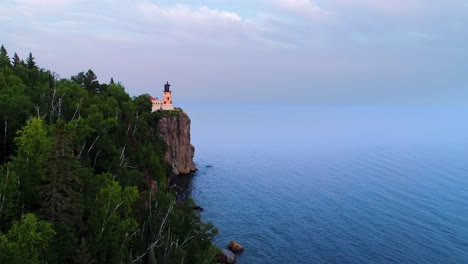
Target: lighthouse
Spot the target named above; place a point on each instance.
(167, 105)
(166, 102)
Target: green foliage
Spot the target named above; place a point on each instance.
(143, 103)
(112, 222)
(15, 107)
(88, 80)
(9, 196)
(26, 242)
(86, 159)
(33, 141)
(170, 113)
(33, 146)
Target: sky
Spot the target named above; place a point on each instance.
(345, 52)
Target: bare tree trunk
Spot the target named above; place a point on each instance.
(159, 237)
(92, 145)
(59, 104)
(38, 109)
(52, 104)
(78, 105)
(95, 158)
(108, 217)
(81, 151)
(122, 156)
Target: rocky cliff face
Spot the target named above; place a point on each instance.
(174, 128)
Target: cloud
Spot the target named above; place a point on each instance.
(187, 14)
(301, 7)
(395, 8)
(46, 2)
(329, 45)
(207, 26)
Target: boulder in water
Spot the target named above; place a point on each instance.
(236, 247)
(226, 257)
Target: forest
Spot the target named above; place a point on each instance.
(82, 176)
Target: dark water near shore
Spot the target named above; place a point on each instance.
(334, 185)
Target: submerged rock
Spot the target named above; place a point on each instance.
(197, 208)
(226, 257)
(235, 247)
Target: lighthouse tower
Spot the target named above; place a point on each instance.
(166, 102)
(167, 99)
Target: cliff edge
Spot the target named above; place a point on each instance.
(174, 128)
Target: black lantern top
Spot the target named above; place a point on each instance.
(166, 87)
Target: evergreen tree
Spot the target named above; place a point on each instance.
(88, 80)
(60, 193)
(30, 63)
(16, 60)
(3, 52)
(33, 73)
(4, 59)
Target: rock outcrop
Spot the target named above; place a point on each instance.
(226, 257)
(235, 247)
(174, 128)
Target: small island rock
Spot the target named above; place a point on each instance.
(236, 247)
(226, 257)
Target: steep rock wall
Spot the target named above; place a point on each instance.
(174, 128)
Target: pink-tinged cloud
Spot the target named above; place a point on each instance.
(313, 47)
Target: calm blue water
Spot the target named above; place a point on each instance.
(306, 184)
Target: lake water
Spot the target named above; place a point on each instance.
(304, 184)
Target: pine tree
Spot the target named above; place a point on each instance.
(4, 59)
(3, 51)
(59, 196)
(30, 62)
(16, 60)
(88, 80)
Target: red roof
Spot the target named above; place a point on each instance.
(152, 98)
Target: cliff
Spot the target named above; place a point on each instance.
(174, 128)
